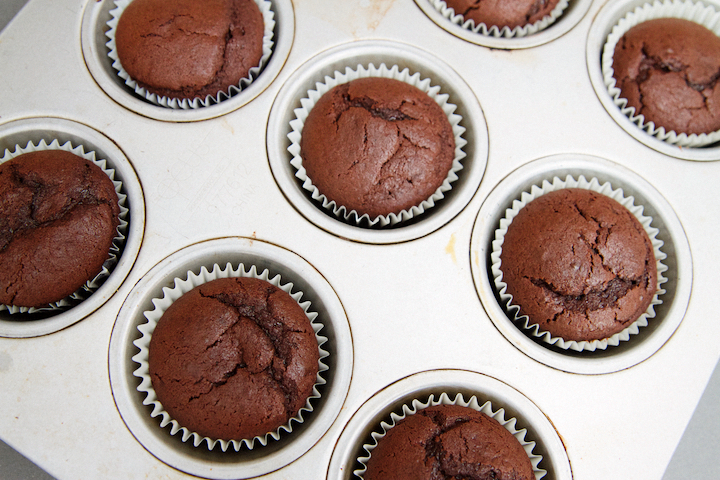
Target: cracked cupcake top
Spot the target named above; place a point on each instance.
(377, 146)
(58, 218)
(233, 358)
(578, 264)
(188, 48)
(445, 442)
(503, 13)
(668, 70)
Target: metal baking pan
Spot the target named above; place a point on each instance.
(410, 310)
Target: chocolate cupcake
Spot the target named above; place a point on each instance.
(450, 439)
(666, 68)
(377, 146)
(230, 357)
(59, 219)
(578, 266)
(185, 54)
(501, 18)
(503, 13)
(661, 71)
(374, 147)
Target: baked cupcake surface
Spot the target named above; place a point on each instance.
(448, 441)
(186, 48)
(233, 358)
(667, 70)
(503, 13)
(578, 264)
(377, 146)
(59, 214)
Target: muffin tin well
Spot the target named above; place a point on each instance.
(376, 53)
(95, 53)
(20, 132)
(603, 23)
(435, 382)
(216, 464)
(669, 313)
(574, 12)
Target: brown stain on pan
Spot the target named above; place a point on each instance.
(376, 11)
(357, 18)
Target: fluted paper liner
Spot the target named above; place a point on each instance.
(510, 424)
(706, 16)
(184, 103)
(494, 30)
(117, 244)
(522, 321)
(340, 211)
(182, 286)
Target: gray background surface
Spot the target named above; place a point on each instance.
(695, 456)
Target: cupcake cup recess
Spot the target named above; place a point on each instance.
(698, 13)
(255, 354)
(416, 405)
(499, 31)
(180, 85)
(116, 246)
(615, 294)
(360, 75)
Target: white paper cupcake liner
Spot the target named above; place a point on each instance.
(534, 329)
(510, 424)
(338, 78)
(695, 12)
(182, 286)
(494, 30)
(186, 104)
(117, 244)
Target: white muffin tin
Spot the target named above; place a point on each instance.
(410, 310)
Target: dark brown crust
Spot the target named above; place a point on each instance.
(187, 48)
(233, 358)
(58, 217)
(377, 146)
(668, 70)
(503, 13)
(579, 264)
(446, 442)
